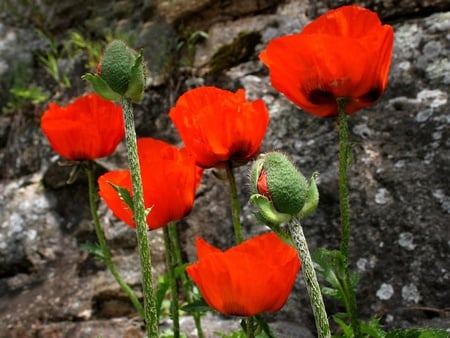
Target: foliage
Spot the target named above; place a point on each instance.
(23, 92)
(418, 333)
(51, 59)
(188, 41)
(238, 51)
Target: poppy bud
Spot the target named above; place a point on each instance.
(280, 191)
(121, 73)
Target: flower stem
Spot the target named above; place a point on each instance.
(235, 204)
(171, 264)
(187, 282)
(106, 256)
(250, 327)
(350, 302)
(151, 314)
(312, 285)
(343, 184)
(236, 216)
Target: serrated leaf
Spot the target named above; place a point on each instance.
(332, 293)
(331, 265)
(347, 329)
(373, 329)
(124, 195)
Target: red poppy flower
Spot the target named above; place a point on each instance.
(88, 128)
(218, 126)
(344, 53)
(169, 178)
(253, 277)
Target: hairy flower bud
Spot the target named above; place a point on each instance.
(121, 73)
(280, 190)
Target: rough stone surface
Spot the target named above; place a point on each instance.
(399, 191)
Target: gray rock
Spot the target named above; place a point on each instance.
(399, 195)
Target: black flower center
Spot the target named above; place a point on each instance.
(319, 96)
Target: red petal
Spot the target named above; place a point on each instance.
(214, 125)
(89, 128)
(111, 197)
(253, 277)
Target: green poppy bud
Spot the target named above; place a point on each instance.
(121, 73)
(280, 191)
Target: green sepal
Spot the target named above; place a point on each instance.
(136, 84)
(267, 210)
(287, 185)
(312, 197)
(101, 87)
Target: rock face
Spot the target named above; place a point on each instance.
(399, 191)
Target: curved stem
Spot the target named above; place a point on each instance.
(187, 282)
(171, 264)
(151, 314)
(106, 256)
(350, 301)
(235, 204)
(309, 274)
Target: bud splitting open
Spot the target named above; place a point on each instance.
(280, 191)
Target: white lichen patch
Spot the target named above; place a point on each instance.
(410, 293)
(382, 196)
(433, 97)
(385, 291)
(405, 240)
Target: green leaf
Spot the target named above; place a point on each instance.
(196, 306)
(94, 249)
(332, 263)
(418, 333)
(180, 269)
(347, 329)
(124, 195)
(372, 328)
(160, 294)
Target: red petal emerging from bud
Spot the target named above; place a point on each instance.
(262, 185)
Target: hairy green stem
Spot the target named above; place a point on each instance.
(106, 255)
(151, 314)
(187, 282)
(236, 217)
(235, 204)
(350, 301)
(171, 265)
(250, 327)
(343, 184)
(309, 274)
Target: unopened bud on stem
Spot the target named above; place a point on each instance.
(120, 74)
(280, 191)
